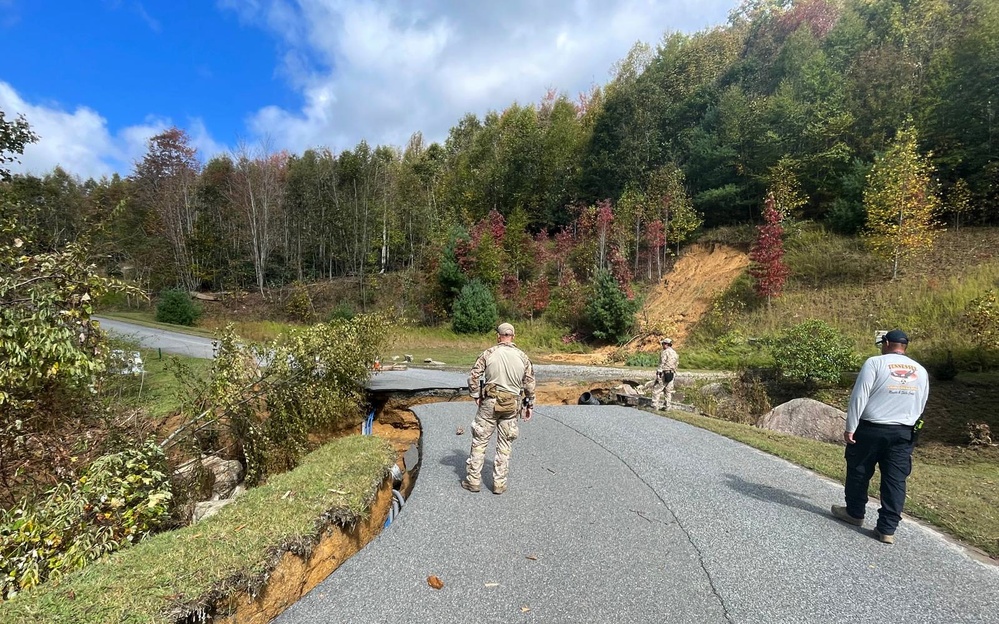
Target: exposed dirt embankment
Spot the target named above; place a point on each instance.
(671, 308)
(702, 273)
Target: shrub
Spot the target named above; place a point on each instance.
(311, 386)
(342, 312)
(474, 310)
(176, 307)
(298, 307)
(567, 307)
(610, 313)
(117, 501)
(646, 360)
(811, 351)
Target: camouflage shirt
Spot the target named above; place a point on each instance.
(506, 366)
(669, 361)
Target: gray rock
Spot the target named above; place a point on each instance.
(806, 418)
(207, 509)
(716, 390)
(226, 475)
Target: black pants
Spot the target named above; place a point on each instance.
(889, 447)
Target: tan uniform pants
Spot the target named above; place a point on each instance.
(482, 429)
(659, 388)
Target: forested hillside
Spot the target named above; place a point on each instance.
(541, 203)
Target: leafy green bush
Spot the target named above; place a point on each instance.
(342, 312)
(298, 306)
(117, 501)
(177, 308)
(311, 386)
(812, 351)
(646, 360)
(474, 310)
(567, 307)
(610, 313)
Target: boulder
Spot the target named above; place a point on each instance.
(806, 418)
(226, 475)
(716, 390)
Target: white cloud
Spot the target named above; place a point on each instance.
(382, 70)
(81, 143)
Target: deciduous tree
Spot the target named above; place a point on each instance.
(767, 255)
(901, 201)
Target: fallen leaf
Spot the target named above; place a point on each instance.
(459, 431)
(492, 584)
(532, 557)
(435, 582)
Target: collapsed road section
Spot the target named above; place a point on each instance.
(392, 394)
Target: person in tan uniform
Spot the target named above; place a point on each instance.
(669, 361)
(502, 384)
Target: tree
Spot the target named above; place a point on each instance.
(610, 313)
(901, 201)
(767, 255)
(256, 189)
(165, 181)
(14, 136)
(474, 310)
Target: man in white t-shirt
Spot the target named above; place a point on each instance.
(885, 405)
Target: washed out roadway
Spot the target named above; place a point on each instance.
(614, 514)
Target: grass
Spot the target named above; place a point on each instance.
(229, 551)
(159, 393)
(954, 488)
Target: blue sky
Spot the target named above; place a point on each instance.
(97, 78)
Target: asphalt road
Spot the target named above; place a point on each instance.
(615, 514)
(618, 515)
(169, 341)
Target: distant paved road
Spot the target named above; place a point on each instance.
(617, 515)
(170, 341)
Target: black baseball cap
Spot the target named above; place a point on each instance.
(896, 335)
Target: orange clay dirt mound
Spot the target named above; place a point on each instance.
(703, 272)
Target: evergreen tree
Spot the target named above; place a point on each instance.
(610, 313)
(474, 310)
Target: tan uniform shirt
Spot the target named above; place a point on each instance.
(506, 366)
(669, 361)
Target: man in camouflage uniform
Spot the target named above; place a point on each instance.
(499, 377)
(669, 361)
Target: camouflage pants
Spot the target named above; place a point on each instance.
(658, 388)
(482, 429)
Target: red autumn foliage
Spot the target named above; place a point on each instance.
(767, 255)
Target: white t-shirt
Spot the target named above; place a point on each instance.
(891, 389)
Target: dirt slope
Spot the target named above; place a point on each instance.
(672, 308)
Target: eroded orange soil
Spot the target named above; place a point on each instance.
(672, 308)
